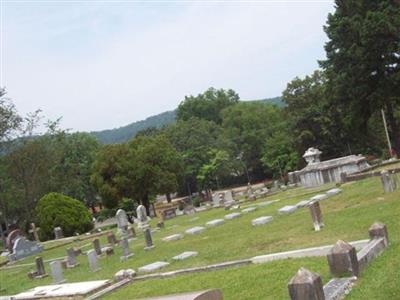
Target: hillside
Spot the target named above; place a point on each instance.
(125, 133)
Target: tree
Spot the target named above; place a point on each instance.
(207, 106)
(152, 166)
(363, 62)
(193, 139)
(10, 121)
(56, 209)
(109, 174)
(217, 166)
(247, 126)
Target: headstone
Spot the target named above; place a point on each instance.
(189, 210)
(261, 221)
(58, 233)
(40, 270)
(122, 220)
(265, 203)
(185, 255)
(388, 182)
(96, 246)
(316, 215)
(24, 248)
(306, 285)
(249, 209)
(126, 252)
(173, 237)
(56, 272)
(302, 203)
(379, 230)
(342, 259)
(216, 222)
(92, 258)
(319, 197)
(333, 192)
(232, 216)
(122, 274)
(198, 295)
(71, 258)
(111, 238)
(288, 209)
(148, 239)
(153, 267)
(142, 217)
(12, 237)
(195, 230)
(34, 232)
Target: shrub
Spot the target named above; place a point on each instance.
(56, 209)
(105, 213)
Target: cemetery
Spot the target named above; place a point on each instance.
(228, 250)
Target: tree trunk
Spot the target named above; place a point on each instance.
(168, 195)
(394, 127)
(146, 203)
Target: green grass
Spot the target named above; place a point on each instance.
(347, 216)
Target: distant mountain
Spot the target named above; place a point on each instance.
(125, 133)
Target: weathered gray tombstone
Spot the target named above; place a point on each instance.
(34, 232)
(24, 248)
(142, 217)
(71, 258)
(343, 177)
(12, 237)
(342, 259)
(56, 272)
(148, 239)
(40, 270)
(96, 246)
(306, 285)
(126, 253)
(316, 215)
(58, 233)
(122, 220)
(111, 238)
(388, 182)
(379, 230)
(92, 258)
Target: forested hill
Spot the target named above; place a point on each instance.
(125, 133)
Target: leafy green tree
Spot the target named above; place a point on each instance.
(152, 166)
(218, 166)
(9, 118)
(363, 62)
(247, 127)
(207, 105)
(193, 139)
(109, 174)
(77, 153)
(56, 209)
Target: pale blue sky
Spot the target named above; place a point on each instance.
(102, 65)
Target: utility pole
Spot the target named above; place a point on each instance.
(387, 133)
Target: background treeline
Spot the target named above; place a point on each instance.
(217, 140)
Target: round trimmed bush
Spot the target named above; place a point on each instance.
(58, 210)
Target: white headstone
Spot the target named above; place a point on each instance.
(153, 267)
(249, 209)
(232, 216)
(122, 219)
(173, 237)
(288, 209)
(56, 272)
(92, 258)
(215, 222)
(333, 192)
(319, 197)
(261, 220)
(185, 255)
(195, 230)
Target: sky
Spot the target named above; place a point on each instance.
(105, 64)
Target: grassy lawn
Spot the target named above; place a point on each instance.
(347, 216)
